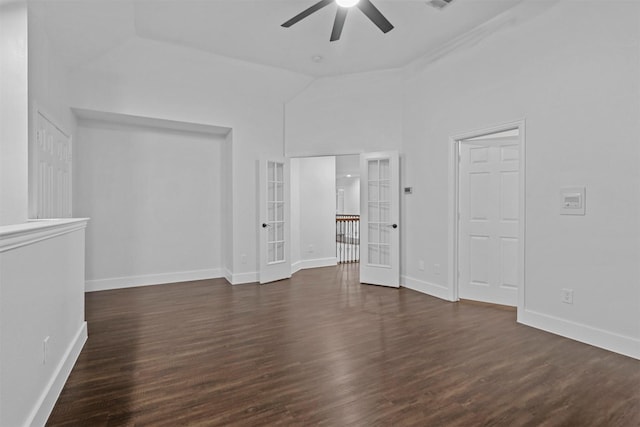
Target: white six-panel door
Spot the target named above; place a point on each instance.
(51, 171)
(274, 227)
(379, 215)
(489, 220)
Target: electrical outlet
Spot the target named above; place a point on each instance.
(243, 258)
(310, 249)
(436, 269)
(45, 350)
(421, 265)
(567, 296)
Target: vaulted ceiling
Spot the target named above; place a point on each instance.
(250, 30)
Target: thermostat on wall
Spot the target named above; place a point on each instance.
(572, 201)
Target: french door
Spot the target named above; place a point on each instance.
(274, 223)
(379, 219)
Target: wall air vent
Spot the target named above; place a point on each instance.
(439, 4)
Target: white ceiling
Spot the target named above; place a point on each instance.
(82, 30)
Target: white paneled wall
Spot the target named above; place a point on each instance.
(41, 315)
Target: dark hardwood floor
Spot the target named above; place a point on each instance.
(321, 349)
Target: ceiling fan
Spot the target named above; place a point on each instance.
(365, 6)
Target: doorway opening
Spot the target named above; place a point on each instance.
(315, 199)
(347, 209)
(487, 221)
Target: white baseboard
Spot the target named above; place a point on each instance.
(243, 278)
(431, 289)
(314, 263)
(621, 344)
(228, 275)
(253, 277)
(151, 279)
(296, 266)
(49, 396)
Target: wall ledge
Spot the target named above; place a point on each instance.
(18, 235)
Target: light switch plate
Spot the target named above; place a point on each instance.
(572, 200)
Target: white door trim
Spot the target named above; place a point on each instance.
(454, 191)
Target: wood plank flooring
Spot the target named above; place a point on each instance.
(321, 349)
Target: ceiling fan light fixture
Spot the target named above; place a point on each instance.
(365, 6)
(347, 3)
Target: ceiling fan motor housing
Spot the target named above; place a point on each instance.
(439, 4)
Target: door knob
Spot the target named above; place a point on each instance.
(395, 226)
(265, 225)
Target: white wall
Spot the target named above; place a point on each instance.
(155, 201)
(573, 74)
(351, 187)
(572, 71)
(346, 115)
(348, 179)
(48, 90)
(159, 80)
(48, 78)
(294, 218)
(41, 265)
(226, 185)
(13, 113)
(313, 199)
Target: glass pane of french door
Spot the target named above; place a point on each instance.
(275, 212)
(379, 207)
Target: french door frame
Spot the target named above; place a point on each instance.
(454, 206)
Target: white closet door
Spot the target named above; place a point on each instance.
(51, 171)
(489, 217)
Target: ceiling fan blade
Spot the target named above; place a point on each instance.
(338, 24)
(316, 7)
(375, 15)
